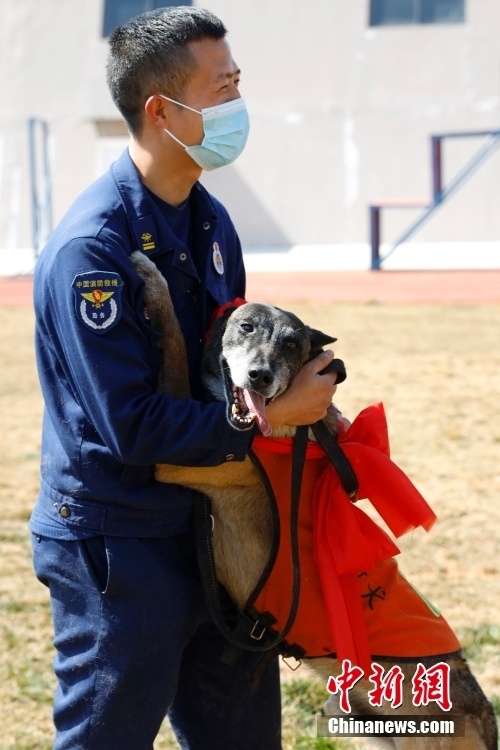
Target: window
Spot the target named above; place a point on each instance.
(117, 12)
(396, 12)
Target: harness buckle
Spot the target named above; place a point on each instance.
(255, 634)
(293, 665)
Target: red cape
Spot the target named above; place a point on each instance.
(353, 601)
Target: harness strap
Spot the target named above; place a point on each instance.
(337, 458)
(203, 521)
(249, 628)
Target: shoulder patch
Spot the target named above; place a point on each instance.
(98, 299)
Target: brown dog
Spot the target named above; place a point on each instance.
(252, 356)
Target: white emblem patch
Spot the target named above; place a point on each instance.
(107, 322)
(217, 259)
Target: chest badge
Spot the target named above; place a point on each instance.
(217, 259)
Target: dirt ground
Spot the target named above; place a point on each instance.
(435, 368)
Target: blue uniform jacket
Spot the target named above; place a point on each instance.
(104, 425)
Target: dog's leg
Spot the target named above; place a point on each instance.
(239, 474)
(243, 528)
(174, 378)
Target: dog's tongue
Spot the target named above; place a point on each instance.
(257, 405)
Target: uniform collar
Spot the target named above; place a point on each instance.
(140, 207)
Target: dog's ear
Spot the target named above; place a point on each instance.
(319, 339)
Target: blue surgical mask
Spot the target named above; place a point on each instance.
(226, 127)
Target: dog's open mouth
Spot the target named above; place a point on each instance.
(247, 408)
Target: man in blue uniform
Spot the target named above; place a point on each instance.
(133, 637)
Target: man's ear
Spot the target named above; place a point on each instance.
(156, 111)
(319, 339)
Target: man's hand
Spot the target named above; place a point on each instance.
(309, 396)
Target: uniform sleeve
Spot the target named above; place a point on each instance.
(105, 358)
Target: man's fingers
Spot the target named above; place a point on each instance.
(321, 361)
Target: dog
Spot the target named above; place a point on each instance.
(252, 354)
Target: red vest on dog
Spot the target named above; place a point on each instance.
(354, 602)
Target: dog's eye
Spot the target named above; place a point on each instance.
(290, 343)
(248, 327)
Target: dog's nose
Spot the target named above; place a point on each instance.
(260, 378)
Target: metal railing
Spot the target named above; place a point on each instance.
(40, 181)
(440, 192)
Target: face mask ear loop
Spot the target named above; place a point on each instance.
(175, 139)
(180, 104)
(174, 101)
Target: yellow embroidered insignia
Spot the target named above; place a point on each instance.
(147, 241)
(97, 297)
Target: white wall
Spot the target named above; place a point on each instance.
(341, 116)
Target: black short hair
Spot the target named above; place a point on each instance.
(149, 54)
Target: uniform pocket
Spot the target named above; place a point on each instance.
(110, 560)
(96, 558)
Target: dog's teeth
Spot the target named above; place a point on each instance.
(234, 410)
